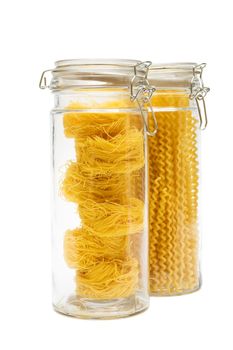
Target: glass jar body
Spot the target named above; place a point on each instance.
(100, 219)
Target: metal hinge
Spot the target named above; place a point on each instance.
(43, 84)
(141, 92)
(199, 92)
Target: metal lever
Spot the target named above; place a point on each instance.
(43, 80)
(141, 91)
(199, 94)
(143, 98)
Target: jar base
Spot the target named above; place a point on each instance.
(166, 293)
(80, 307)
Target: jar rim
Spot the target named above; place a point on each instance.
(177, 75)
(105, 73)
(180, 66)
(99, 62)
(96, 73)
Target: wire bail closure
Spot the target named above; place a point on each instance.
(199, 92)
(43, 79)
(141, 91)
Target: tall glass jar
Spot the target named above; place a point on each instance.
(99, 153)
(180, 111)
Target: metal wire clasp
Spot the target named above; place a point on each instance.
(43, 80)
(141, 91)
(199, 92)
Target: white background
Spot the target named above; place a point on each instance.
(33, 35)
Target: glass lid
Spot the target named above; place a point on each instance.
(172, 75)
(94, 73)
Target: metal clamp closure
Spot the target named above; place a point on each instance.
(141, 91)
(43, 80)
(199, 92)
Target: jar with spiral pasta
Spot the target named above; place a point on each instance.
(180, 111)
(99, 147)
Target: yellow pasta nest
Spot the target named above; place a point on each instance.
(103, 125)
(88, 122)
(78, 187)
(106, 183)
(108, 279)
(112, 219)
(120, 154)
(82, 249)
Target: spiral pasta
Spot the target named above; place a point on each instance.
(173, 195)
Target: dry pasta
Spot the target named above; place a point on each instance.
(112, 219)
(82, 249)
(173, 188)
(77, 187)
(108, 279)
(106, 183)
(120, 154)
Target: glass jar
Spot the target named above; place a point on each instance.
(99, 157)
(180, 111)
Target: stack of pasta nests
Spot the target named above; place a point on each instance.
(173, 195)
(106, 183)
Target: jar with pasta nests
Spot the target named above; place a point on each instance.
(179, 106)
(99, 155)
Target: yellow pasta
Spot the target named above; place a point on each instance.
(108, 279)
(106, 183)
(173, 191)
(77, 187)
(170, 98)
(101, 124)
(112, 219)
(82, 249)
(120, 154)
(82, 121)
